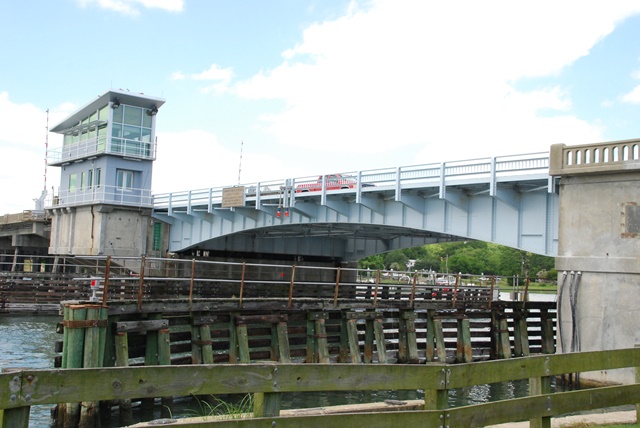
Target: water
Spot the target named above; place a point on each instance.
(28, 342)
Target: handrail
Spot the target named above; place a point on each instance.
(37, 387)
(486, 169)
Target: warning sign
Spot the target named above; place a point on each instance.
(233, 197)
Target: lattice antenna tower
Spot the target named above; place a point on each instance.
(240, 165)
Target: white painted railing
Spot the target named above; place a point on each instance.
(111, 195)
(97, 146)
(484, 170)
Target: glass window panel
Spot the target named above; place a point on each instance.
(103, 113)
(146, 120)
(117, 114)
(83, 136)
(116, 145)
(116, 131)
(94, 116)
(146, 135)
(73, 182)
(124, 179)
(83, 180)
(90, 179)
(132, 115)
(132, 132)
(98, 177)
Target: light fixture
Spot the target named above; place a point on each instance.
(115, 104)
(153, 111)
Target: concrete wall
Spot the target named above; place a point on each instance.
(599, 241)
(99, 230)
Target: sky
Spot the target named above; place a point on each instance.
(258, 91)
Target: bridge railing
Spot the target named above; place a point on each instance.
(592, 158)
(433, 174)
(268, 382)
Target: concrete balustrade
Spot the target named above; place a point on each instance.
(592, 158)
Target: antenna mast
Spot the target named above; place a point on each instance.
(240, 166)
(46, 151)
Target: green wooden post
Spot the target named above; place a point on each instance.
(343, 356)
(243, 343)
(411, 336)
(275, 349)
(266, 404)
(464, 353)
(378, 328)
(283, 343)
(122, 360)
(547, 332)
(520, 337)
(312, 351)
(504, 346)
(91, 359)
(637, 370)
(196, 340)
(431, 336)
(354, 346)
(15, 418)
(164, 359)
(540, 386)
(438, 399)
(207, 348)
(19, 416)
(368, 341)
(402, 339)
(322, 342)
(441, 350)
(69, 413)
(65, 336)
(150, 359)
(233, 339)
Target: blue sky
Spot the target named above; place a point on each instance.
(317, 86)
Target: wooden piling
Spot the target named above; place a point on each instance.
(122, 360)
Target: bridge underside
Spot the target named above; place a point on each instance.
(320, 240)
(350, 224)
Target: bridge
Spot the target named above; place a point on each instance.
(509, 200)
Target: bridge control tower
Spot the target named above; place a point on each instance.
(104, 203)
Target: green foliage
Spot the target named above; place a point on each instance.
(218, 407)
(374, 262)
(467, 257)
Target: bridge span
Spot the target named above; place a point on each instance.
(509, 200)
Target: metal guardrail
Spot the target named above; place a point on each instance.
(440, 175)
(100, 145)
(102, 194)
(268, 381)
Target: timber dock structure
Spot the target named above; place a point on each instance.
(151, 312)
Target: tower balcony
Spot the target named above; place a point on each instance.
(101, 146)
(107, 195)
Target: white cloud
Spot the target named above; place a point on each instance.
(209, 163)
(132, 7)
(221, 76)
(632, 97)
(438, 75)
(23, 143)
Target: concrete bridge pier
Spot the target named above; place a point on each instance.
(598, 249)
